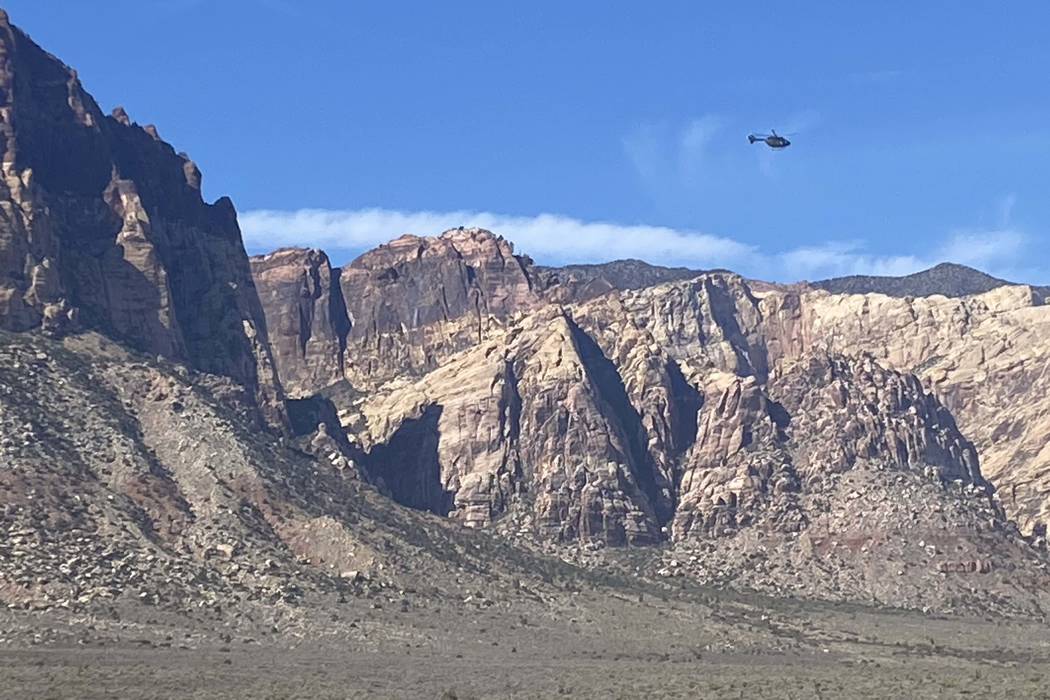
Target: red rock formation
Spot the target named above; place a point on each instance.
(414, 301)
(305, 316)
(104, 225)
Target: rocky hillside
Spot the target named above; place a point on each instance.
(946, 279)
(104, 227)
(401, 309)
(127, 480)
(984, 356)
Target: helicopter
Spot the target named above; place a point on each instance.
(772, 139)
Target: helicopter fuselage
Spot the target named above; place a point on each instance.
(773, 140)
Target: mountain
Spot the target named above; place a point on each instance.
(704, 410)
(581, 282)
(612, 405)
(442, 463)
(104, 227)
(946, 279)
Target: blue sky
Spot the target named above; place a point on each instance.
(591, 130)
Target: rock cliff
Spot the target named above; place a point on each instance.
(417, 300)
(983, 356)
(600, 422)
(306, 318)
(684, 378)
(104, 227)
(402, 308)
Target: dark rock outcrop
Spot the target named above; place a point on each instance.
(947, 279)
(416, 300)
(104, 226)
(305, 316)
(576, 283)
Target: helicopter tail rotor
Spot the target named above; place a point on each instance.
(751, 138)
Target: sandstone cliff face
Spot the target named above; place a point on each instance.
(104, 226)
(305, 316)
(675, 388)
(760, 446)
(690, 371)
(985, 356)
(581, 425)
(414, 301)
(530, 422)
(402, 308)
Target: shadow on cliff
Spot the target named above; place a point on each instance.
(751, 358)
(407, 465)
(611, 389)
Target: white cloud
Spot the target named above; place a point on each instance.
(555, 239)
(547, 237)
(987, 250)
(838, 259)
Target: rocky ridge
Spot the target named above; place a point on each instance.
(704, 411)
(104, 227)
(573, 283)
(946, 279)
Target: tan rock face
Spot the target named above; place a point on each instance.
(614, 416)
(427, 306)
(528, 423)
(985, 356)
(758, 447)
(104, 225)
(580, 441)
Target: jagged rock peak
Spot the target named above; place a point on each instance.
(121, 115)
(288, 253)
(469, 236)
(469, 243)
(586, 281)
(104, 225)
(416, 300)
(305, 315)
